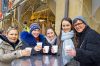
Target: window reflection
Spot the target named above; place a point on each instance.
(21, 62)
(53, 61)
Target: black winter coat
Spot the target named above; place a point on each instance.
(88, 49)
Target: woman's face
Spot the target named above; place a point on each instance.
(12, 35)
(36, 33)
(66, 26)
(79, 26)
(50, 34)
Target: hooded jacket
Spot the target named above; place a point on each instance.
(88, 49)
(7, 52)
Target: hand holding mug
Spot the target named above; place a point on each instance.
(37, 48)
(46, 49)
(54, 49)
(71, 52)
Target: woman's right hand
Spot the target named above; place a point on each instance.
(37, 48)
(71, 52)
(52, 50)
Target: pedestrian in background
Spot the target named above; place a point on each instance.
(26, 28)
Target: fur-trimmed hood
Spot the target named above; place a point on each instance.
(28, 39)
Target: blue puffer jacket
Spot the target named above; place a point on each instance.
(30, 40)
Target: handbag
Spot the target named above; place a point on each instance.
(73, 63)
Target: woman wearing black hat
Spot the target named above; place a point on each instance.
(88, 44)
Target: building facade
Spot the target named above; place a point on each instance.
(51, 12)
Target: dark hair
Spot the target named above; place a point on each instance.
(75, 32)
(52, 29)
(25, 22)
(1, 31)
(65, 19)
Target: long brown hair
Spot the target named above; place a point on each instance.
(65, 19)
(75, 39)
(50, 28)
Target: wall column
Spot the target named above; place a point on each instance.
(75, 8)
(60, 13)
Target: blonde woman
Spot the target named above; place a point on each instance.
(10, 47)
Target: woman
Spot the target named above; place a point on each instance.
(33, 38)
(66, 36)
(88, 44)
(51, 39)
(10, 47)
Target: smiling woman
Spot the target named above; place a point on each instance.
(10, 47)
(66, 38)
(87, 50)
(12, 34)
(79, 26)
(33, 38)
